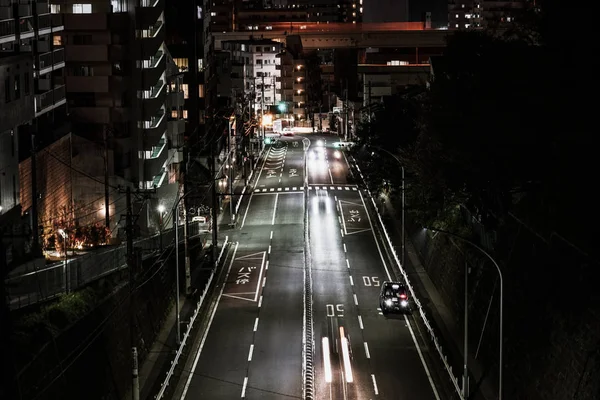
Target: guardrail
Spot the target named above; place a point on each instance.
(432, 334)
(47, 283)
(165, 384)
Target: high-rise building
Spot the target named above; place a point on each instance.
(477, 14)
(29, 29)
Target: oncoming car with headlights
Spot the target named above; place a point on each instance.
(394, 298)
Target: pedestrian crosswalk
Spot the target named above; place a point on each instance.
(300, 188)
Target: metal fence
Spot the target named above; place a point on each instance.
(79, 270)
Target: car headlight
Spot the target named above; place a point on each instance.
(337, 154)
(404, 303)
(388, 302)
(319, 143)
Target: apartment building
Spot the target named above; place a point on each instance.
(292, 69)
(477, 14)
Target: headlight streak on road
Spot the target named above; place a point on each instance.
(326, 359)
(346, 356)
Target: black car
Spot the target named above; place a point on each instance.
(394, 298)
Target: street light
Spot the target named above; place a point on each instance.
(403, 199)
(161, 210)
(65, 274)
(501, 302)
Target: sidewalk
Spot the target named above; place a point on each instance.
(439, 314)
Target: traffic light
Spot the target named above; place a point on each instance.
(282, 107)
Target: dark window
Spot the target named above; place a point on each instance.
(7, 89)
(27, 84)
(82, 39)
(17, 86)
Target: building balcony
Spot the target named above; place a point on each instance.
(86, 22)
(44, 24)
(299, 111)
(24, 10)
(299, 86)
(6, 11)
(174, 99)
(91, 84)
(153, 99)
(150, 40)
(175, 131)
(153, 128)
(149, 12)
(50, 61)
(299, 74)
(86, 52)
(153, 68)
(49, 100)
(57, 22)
(7, 31)
(299, 98)
(26, 27)
(153, 166)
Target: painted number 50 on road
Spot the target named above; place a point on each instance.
(335, 310)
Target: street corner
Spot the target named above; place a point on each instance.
(354, 217)
(245, 277)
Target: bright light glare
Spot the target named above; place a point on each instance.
(337, 154)
(326, 359)
(161, 208)
(319, 143)
(388, 302)
(346, 357)
(404, 303)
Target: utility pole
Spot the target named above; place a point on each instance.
(131, 264)
(369, 107)
(231, 163)
(35, 243)
(186, 234)
(106, 195)
(262, 110)
(215, 213)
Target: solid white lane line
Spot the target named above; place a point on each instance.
(267, 265)
(246, 213)
(351, 281)
(212, 316)
(347, 263)
(256, 324)
(360, 323)
(252, 351)
(330, 176)
(435, 392)
(244, 387)
(374, 384)
(355, 299)
(345, 248)
(367, 350)
(260, 302)
(274, 209)
(271, 237)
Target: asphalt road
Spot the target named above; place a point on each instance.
(254, 343)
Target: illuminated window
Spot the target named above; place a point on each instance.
(201, 91)
(174, 114)
(182, 64)
(200, 64)
(185, 114)
(82, 8)
(184, 88)
(213, 14)
(55, 8)
(57, 40)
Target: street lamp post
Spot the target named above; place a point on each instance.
(403, 200)
(501, 330)
(65, 270)
(161, 210)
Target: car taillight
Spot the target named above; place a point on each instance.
(403, 296)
